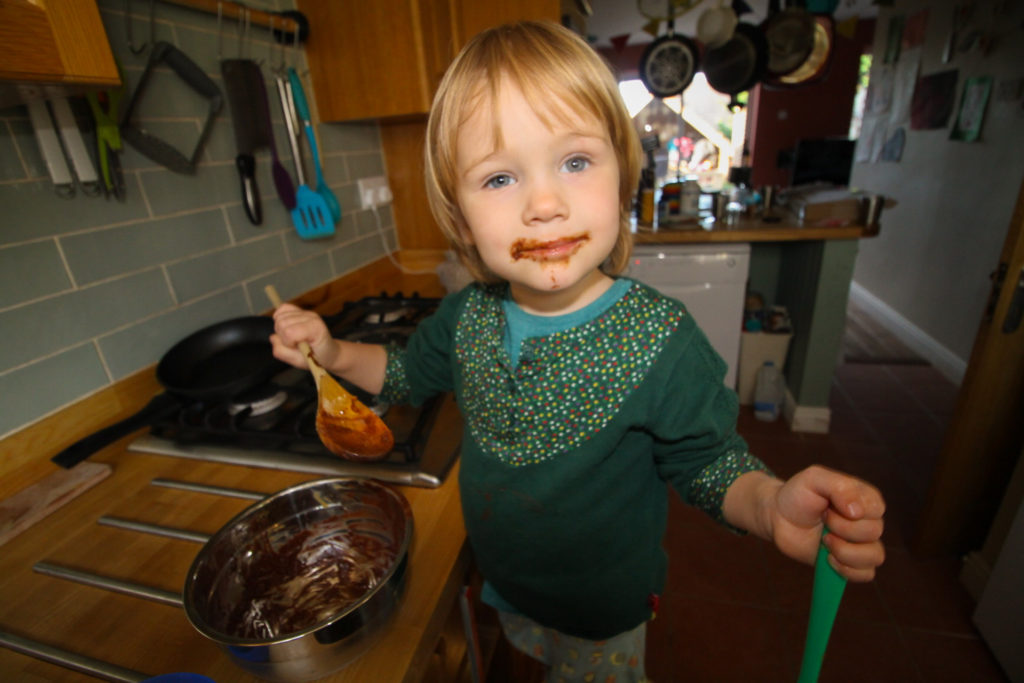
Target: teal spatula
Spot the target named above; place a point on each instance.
(311, 216)
(826, 595)
(302, 107)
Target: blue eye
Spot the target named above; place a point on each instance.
(499, 181)
(576, 164)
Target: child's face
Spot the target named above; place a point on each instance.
(543, 210)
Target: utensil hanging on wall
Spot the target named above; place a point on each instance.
(312, 215)
(59, 140)
(105, 107)
(302, 106)
(242, 80)
(282, 180)
(148, 144)
(49, 145)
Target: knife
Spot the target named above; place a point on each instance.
(239, 79)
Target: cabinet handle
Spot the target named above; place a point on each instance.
(1016, 310)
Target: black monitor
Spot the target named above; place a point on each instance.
(828, 160)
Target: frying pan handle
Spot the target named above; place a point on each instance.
(160, 406)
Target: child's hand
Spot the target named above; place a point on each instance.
(293, 325)
(852, 510)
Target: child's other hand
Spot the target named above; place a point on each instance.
(852, 510)
(293, 325)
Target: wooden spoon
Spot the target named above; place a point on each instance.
(345, 426)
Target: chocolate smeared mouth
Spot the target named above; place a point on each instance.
(548, 250)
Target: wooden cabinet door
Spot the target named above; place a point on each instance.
(57, 43)
(377, 59)
(475, 16)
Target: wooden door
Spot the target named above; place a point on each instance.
(985, 434)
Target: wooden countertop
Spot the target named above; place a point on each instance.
(153, 638)
(787, 229)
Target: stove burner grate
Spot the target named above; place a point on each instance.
(281, 415)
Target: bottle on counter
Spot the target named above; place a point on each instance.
(769, 392)
(689, 198)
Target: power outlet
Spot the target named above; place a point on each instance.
(374, 191)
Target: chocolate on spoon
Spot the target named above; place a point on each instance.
(345, 426)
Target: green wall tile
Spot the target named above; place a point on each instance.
(170, 192)
(33, 210)
(359, 252)
(349, 137)
(290, 282)
(144, 343)
(30, 271)
(101, 254)
(365, 164)
(50, 325)
(11, 167)
(207, 273)
(40, 388)
(24, 137)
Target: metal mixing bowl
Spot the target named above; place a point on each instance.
(298, 585)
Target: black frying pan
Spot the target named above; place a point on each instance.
(739, 64)
(790, 37)
(213, 364)
(818, 63)
(668, 64)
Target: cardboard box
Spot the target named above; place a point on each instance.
(755, 349)
(825, 205)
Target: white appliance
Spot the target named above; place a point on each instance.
(998, 615)
(710, 280)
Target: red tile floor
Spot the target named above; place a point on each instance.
(735, 609)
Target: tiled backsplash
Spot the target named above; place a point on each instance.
(92, 290)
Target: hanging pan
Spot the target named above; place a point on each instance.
(817, 64)
(739, 64)
(790, 34)
(668, 65)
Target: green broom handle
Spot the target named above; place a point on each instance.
(825, 598)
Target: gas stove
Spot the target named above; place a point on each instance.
(273, 426)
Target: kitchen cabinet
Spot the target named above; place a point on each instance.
(55, 48)
(384, 59)
(377, 59)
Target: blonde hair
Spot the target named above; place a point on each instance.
(544, 61)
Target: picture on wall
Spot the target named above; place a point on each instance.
(972, 109)
(934, 98)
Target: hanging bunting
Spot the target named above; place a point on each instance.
(740, 7)
(651, 27)
(619, 42)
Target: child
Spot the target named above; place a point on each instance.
(583, 393)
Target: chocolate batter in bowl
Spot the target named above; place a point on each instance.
(298, 585)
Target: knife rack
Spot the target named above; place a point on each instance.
(286, 23)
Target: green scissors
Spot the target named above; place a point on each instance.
(105, 107)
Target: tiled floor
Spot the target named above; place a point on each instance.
(736, 610)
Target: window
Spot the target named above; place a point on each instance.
(695, 131)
